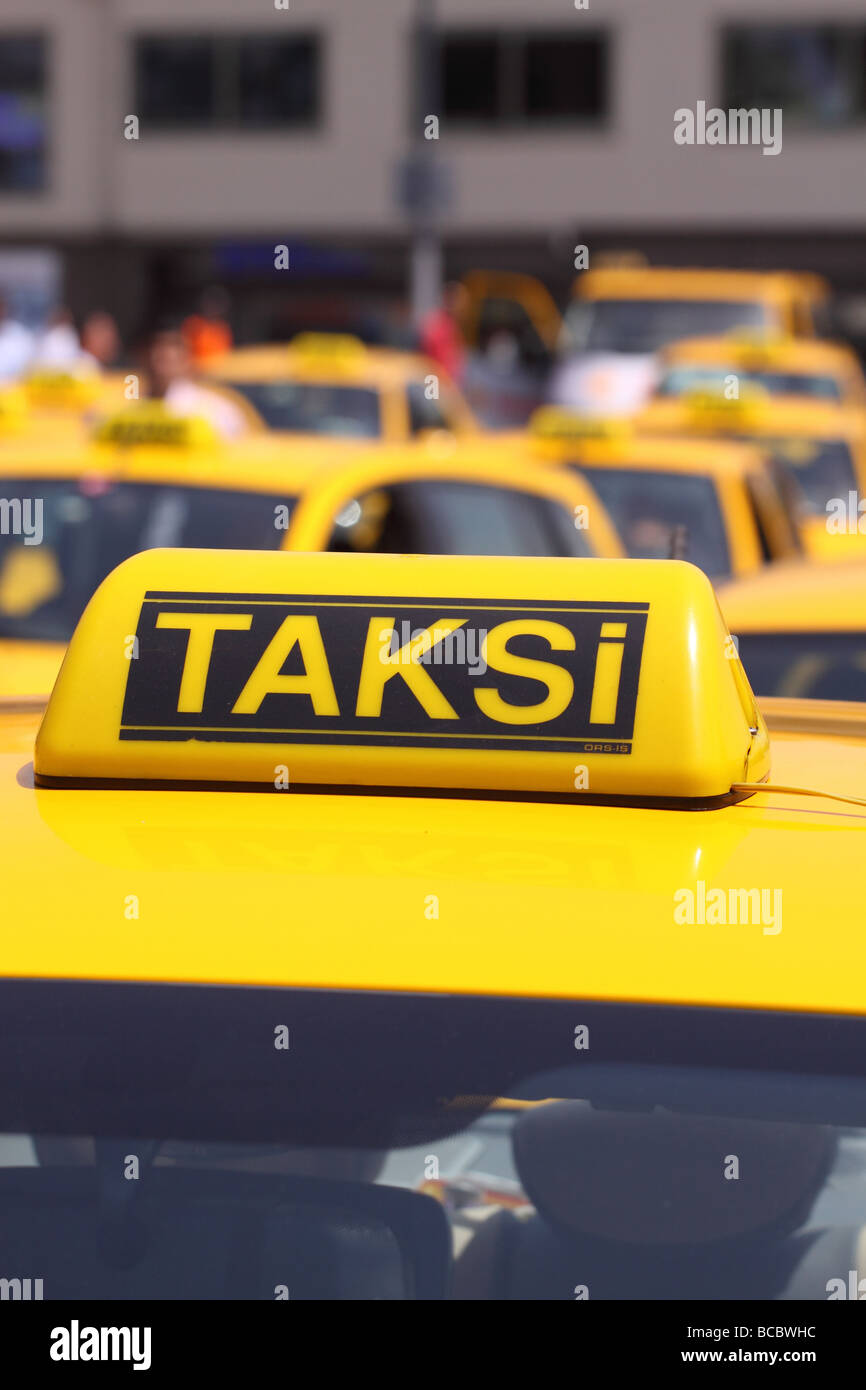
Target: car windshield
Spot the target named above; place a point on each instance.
(451, 517)
(61, 537)
(821, 469)
(658, 514)
(312, 408)
(680, 380)
(814, 665)
(388, 1172)
(644, 325)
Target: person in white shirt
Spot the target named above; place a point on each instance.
(17, 345)
(169, 378)
(59, 346)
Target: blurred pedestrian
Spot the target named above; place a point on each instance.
(208, 333)
(59, 346)
(100, 338)
(169, 377)
(17, 344)
(441, 332)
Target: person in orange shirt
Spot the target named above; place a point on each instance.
(208, 333)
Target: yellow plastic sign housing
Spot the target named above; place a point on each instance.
(581, 678)
(552, 422)
(151, 423)
(62, 390)
(711, 410)
(337, 347)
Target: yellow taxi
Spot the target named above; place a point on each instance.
(817, 450)
(68, 516)
(333, 384)
(640, 309)
(621, 316)
(810, 367)
(631, 306)
(712, 502)
(306, 920)
(802, 630)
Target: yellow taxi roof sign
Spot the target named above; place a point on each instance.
(580, 678)
(715, 409)
(340, 346)
(554, 422)
(151, 423)
(62, 390)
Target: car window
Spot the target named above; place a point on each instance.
(679, 380)
(87, 526)
(659, 514)
(424, 414)
(643, 325)
(504, 324)
(811, 665)
(820, 469)
(450, 517)
(311, 408)
(609, 1191)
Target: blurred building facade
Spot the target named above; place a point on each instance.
(269, 123)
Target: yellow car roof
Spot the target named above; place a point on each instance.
(295, 464)
(354, 365)
(256, 463)
(627, 448)
(663, 282)
(535, 899)
(798, 597)
(539, 892)
(28, 670)
(469, 459)
(773, 416)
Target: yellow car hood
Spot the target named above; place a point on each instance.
(29, 668)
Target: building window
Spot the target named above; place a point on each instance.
(537, 78)
(23, 113)
(277, 82)
(816, 73)
(240, 82)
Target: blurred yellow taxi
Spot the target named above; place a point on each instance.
(640, 309)
(712, 502)
(621, 316)
(630, 306)
(801, 629)
(69, 516)
(810, 367)
(816, 448)
(334, 385)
